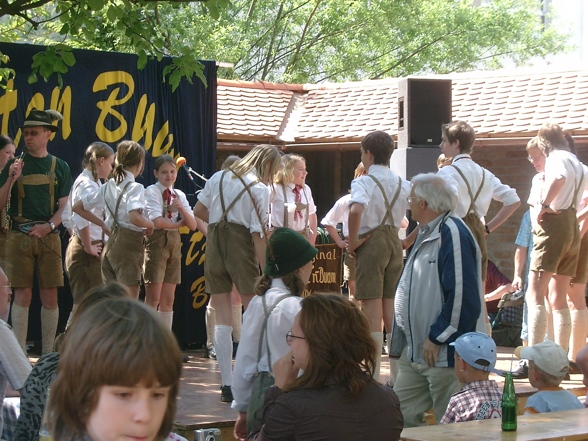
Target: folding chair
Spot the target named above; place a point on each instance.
(506, 326)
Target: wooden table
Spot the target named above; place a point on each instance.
(570, 425)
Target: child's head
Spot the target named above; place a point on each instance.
(129, 155)
(537, 150)
(476, 351)
(229, 161)
(265, 160)
(548, 363)
(7, 150)
(555, 135)
(98, 158)
(359, 171)
(289, 256)
(461, 133)
(443, 161)
(117, 350)
(165, 170)
(293, 170)
(380, 145)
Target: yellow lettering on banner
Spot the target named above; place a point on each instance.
(198, 294)
(103, 81)
(194, 252)
(63, 106)
(8, 103)
(144, 126)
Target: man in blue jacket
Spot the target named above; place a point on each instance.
(439, 298)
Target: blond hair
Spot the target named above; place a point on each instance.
(264, 160)
(286, 175)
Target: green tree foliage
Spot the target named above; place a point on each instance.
(294, 41)
(335, 40)
(135, 26)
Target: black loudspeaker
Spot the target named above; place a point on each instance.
(423, 105)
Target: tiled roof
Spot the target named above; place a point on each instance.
(503, 104)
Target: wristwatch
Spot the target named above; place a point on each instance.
(52, 225)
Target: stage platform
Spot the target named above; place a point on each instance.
(199, 404)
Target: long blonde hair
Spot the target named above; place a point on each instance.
(265, 160)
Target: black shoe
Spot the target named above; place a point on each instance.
(185, 359)
(235, 347)
(226, 394)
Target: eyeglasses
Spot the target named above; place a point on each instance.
(289, 337)
(411, 199)
(534, 158)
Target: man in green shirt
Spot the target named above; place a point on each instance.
(37, 185)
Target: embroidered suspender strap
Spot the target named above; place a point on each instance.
(388, 206)
(473, 198)
(263, 335)
(37, 179)
(307, 211)
(234, 201)
(117, 204)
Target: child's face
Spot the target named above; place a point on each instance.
(299, 173)
(166, 175)
(128, 413)
(104, 166)
(449, 149)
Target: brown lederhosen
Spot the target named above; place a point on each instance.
(474, 223)
(556, 240)
(24, 252)
(384, 246)
(230, 254)
(123, 254)
(306, 231)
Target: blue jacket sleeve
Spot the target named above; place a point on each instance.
(458, 272)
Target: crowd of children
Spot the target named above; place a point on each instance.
(259, 212)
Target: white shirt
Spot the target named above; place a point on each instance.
(133, 199)
(84, 184)
(155, 207)
(279, 324)
(561, 163)
(366, 192)
(493, 188)
(536, 195)
(243, 212)
(339, 214)
(278, 205)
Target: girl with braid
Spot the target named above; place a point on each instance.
(82, 257)
(125, 223)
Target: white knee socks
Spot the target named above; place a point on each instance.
(167, 318)
(237, 321)
(20, 324)
(49, 320)
(379, 339)
(579, 330)
(537, 324)
(223, 343)
(562, 327)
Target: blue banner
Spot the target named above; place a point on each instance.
(105, 97)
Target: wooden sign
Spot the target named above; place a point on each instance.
(327, 275)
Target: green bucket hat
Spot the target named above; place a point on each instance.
(287, 251)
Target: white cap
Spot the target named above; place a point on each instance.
(547, 356)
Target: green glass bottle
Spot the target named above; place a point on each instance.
(509, 404)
